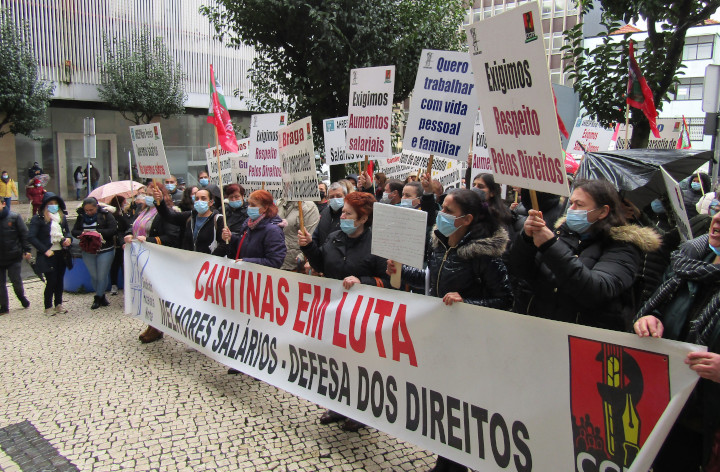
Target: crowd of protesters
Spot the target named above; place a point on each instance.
(593, 259)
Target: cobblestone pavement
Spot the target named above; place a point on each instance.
(80, 392)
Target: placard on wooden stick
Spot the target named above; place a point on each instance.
(399, 234)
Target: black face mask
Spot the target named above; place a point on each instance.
(322, 195)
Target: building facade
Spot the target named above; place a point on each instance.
(67, 39)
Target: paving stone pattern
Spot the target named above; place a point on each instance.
(82, 387)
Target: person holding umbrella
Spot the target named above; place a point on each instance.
(14, 247)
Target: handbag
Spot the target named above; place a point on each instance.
(67, 258)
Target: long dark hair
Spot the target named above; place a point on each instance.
(496, 205)
(484, 224)
(603, 193)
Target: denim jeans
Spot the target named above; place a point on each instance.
(7, 202)
(99, 267)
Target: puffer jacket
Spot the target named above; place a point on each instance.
(264, 244)
(329, 223)
(289, 212)
(13, 239)
(585, 281)
(474, 269)
(209, 236)
(106, 226)
(342, 256)
(236, 217)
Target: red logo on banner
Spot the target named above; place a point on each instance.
(617, 395)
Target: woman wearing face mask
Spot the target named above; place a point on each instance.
(686, 307)
(346, 256)
(188, 199)
(123, 224)
(79, 179)
(700, 184)
(203, 179)
(8, 188)
(465, 264)
(260, 239)
(97, 229)
(584, 272)
(50, 235)
(330, 216)
(150, 226)
(236, 207)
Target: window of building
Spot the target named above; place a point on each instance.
(557, 42)
(547, 8)
(487, 12)
(556, 76)
(499, 9)
(546, 37)
(572, 7)
(477, 15)
(560, 7)
(698, 47)
(466, 18)
(690, 89)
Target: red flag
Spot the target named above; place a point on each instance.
(220, 117)
(684, 141)
(561, 125)
(639, 94)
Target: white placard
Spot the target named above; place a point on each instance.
(678, 205)
(334, 132)
(518, 111)
(408, 249)
(149, 151)
(370, 113)
(443, 107)
(590, 135)
(297, 154)
(393, 169)
(669, 129)
(263, 162)
(481, 163)
(226, 166)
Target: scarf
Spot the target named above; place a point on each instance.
(141, 225)
(56, 234)
(688, 264)
(252, 224)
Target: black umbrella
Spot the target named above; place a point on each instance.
(636, 172)
(37, 271)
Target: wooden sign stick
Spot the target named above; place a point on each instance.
(395, 279)
(302, 220)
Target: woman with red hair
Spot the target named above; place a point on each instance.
(260, 239)
(346, 256)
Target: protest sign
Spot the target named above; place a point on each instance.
(678, 206)
(410, 248)
(481, 163)
(297, 154)
(263, 162)
(275, 188)
(494, 390)
(149, 151)
(369, 113)
(225, 175)
(518, 110)
(334, 131)
(447, 171)
(669, 134)
(588, 134)
(443, 107)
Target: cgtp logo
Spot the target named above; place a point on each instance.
(617, 395)
(529, 27)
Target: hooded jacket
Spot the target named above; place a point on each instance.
(583, 280)
(342, 256)
(106, 226)
(474, 269)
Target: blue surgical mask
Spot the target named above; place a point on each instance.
(337, 203)
(446, 223)
(577, 220)
(192, 197)
(201, 206)
(149, 200)
(695, 186)
(657, 206)
(53, 208)
(253, 213)
(203, 182)
(347, 226)
(406, 203)
(235, 204)
(170, 187)
(714, 249)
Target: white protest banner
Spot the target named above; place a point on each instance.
(481, 163)
(588, 134)
(297, 154)
(263, 162)
(334, 131)
(369, 113)
(669, 134)
(240, 164)
(518, 111)
(149, 151)
(275, 188)
(225, 176)
(410, 248)
(393, 169)
(678, 205)
(443, 107)
(490, 389)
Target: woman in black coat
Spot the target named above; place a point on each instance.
(50, 235)
(236, 208)
(584, 271)
(346, 256)
(202, 227)
(123, 224)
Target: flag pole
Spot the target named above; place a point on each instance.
(627, 124)
(222, 194)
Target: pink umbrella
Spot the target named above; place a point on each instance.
(106, 192)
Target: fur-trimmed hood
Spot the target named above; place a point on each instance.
(471, 247)
(646, 239)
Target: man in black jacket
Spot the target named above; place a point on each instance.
(14, 246)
